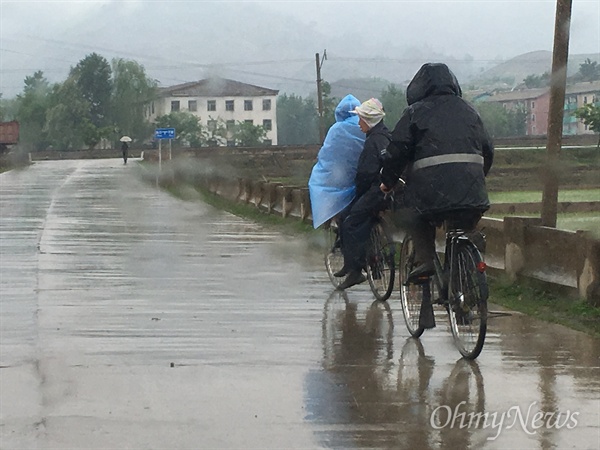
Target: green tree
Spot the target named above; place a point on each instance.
(297, 121)
(8, 109)
(517, 121)
(132, 92)
(589, 70)
(31, 108)
(68, 122)
(394, 103)
(537, 81)
(93, 78)
(248, 135)
(188, 129)
(590, 115)
(501, 122)
(329, 105)
(216, 132)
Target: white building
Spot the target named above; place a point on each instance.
(218, 99)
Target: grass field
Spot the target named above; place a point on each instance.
(576, 195)
(588, 221)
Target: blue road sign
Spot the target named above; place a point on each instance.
(164, 133)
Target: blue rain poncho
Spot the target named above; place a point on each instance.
(331, 184)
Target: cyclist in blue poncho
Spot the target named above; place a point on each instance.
(332, 181)
(358, 217)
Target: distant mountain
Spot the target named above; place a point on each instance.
(362, 88)
(511, 73)
(181, 42)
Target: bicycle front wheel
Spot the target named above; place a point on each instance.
(468, 294)
(381, 268)
(334, 259)
(411, 295)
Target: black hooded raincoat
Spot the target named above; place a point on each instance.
(439, 146)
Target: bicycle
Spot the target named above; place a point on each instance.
(380, 261)
(459, 284)
(334, 259)
(381, 254)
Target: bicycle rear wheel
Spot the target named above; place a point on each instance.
(334, 259)
(411, 295)
(468, 294)
(381, 268)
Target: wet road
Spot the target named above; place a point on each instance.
(131, 319)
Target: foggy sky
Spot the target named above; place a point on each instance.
(179, 41)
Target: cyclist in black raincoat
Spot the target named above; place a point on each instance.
(442, 150)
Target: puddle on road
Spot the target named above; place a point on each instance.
(535, 384)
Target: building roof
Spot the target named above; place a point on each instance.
(524, 94)
(583, 88)
(216, 87)
(531, 94)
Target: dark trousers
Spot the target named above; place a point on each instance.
(356, 222)
(423, 228)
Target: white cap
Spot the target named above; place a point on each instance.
(370, 111)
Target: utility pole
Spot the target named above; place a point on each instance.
(560, 55)
(319, 63)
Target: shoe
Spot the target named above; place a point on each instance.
(354, 277)
(342, 272)
(421, 271)
(426, 316)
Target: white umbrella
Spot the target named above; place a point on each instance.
(125, 139)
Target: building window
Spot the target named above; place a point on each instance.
(533, 130)
(267, 104)
(267, 124)
(533, 117)
(250, 121)
(585, 99)
(228, 105)
(152, 107)
(211, 105)
(175, 105)
(230, 125)
(268, 142)
(192, 105)
(211, 125)
(247, 105)
(532, 104)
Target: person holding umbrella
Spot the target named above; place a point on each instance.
(125, 147)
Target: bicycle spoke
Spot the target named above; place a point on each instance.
(380, 265)
(411, 295)
(334, 260)
(468, 301)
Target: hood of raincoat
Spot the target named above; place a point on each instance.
(432, 79)
(345, 107)
(331, 184)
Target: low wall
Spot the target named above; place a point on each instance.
(536, 207)
(82, 154)
(517, 246)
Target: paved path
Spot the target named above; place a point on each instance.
(131, 319)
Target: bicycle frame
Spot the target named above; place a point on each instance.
(441, 277)
(458, 283)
